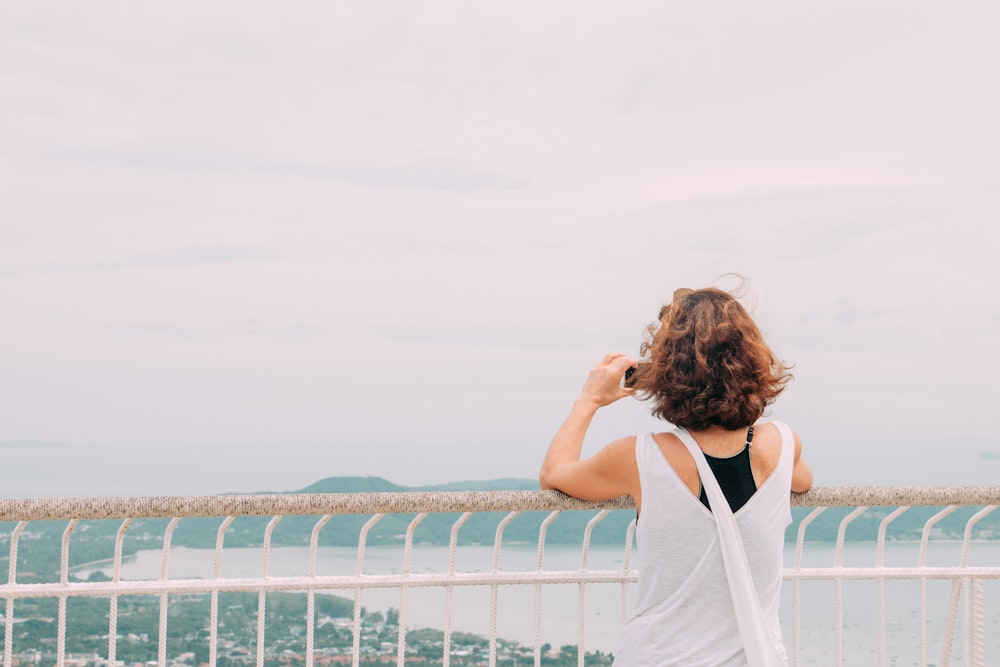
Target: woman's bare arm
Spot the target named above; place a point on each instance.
(802, 475)
(612, 471)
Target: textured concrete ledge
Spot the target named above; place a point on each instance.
(36, 509)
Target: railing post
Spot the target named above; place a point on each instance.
(542, 531)
(64, 580)
(262, 595)
(113, 603)
(401, 619)
(450, 588)
(494, 589)
(8, 612)
(879, 562)
(796, 585)
(213, 622)
(921, 561)
(164, 596)
(358, 573)
(839, 584)
(311, 595)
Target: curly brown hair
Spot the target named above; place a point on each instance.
(706, 364)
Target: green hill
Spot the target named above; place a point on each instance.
(352, 485)
(382, 485)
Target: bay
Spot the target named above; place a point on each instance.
(604, 604)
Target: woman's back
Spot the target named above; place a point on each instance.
(683, 612)
(764, 450)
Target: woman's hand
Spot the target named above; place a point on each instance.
(604, 384)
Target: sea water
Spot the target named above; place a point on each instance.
(604, 605)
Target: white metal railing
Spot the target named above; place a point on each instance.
(963, 621)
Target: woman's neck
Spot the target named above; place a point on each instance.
(719, 442)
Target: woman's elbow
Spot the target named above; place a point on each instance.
(556, 477)
(802, 479)
(546, 480)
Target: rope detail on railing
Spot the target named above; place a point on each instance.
(38, 509)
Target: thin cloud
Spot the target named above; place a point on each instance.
(299, 330)
(171, 260)
(434, 174)
(847, 314)
(534, 335)
(440, 173)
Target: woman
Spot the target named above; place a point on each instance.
(707, 370)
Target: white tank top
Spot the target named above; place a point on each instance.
(683, 614)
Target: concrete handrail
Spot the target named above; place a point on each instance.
(40, 509)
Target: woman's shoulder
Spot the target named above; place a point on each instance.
(773, 440)
(776, 424)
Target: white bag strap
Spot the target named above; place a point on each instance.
(758, 644)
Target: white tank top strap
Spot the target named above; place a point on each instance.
(787, 444)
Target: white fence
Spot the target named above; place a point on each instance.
(942, 633)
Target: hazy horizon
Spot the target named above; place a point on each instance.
(108, 470)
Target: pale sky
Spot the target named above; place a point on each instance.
(247, 245)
